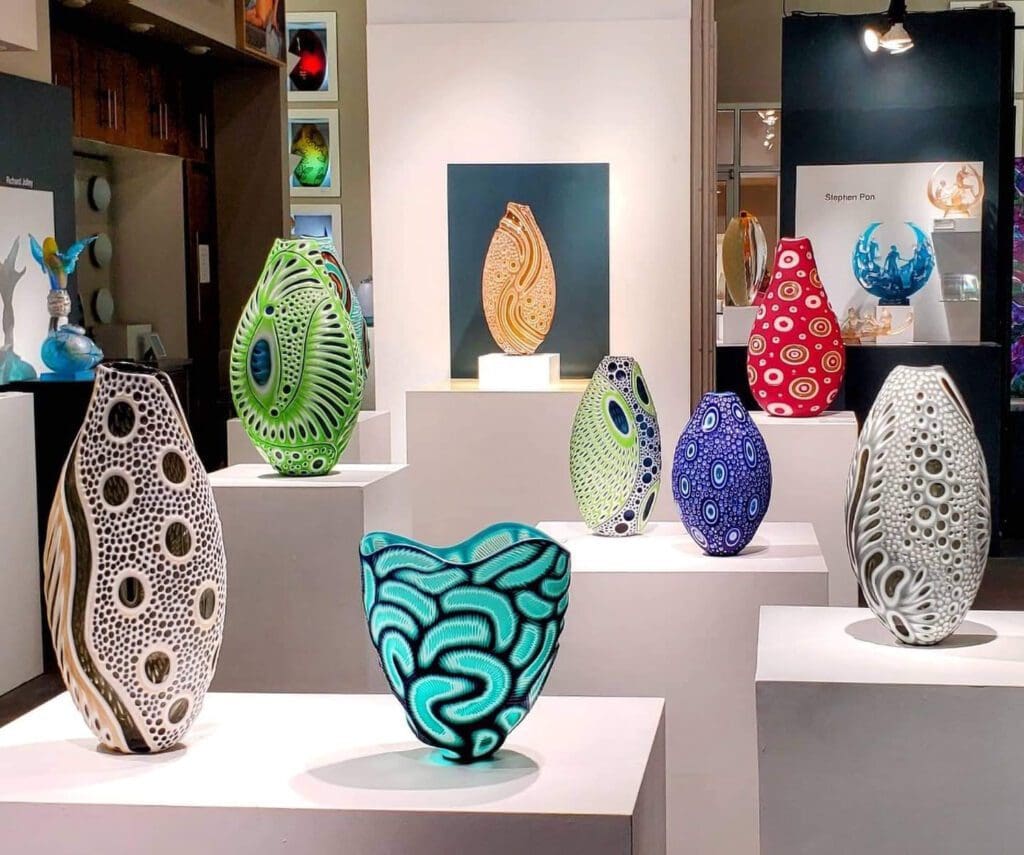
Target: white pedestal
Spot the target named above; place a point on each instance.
(652, 615)
(810, 464)
(499, 372)
(867, 746)
(295, 620)
(370, 443)
(737, 322)
(21, 639)
(326, 775)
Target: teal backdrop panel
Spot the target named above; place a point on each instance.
(570, 204)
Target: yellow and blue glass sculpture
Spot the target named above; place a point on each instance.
(296, 374)
(615, 450)
(722, 475)
(466, 635)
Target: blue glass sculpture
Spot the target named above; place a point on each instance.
(722, 475)
(467, 634)
(69, 352)
(894, 279)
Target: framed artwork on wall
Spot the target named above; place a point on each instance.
(260, 27)
(318, 221)
(315, 147)
(312, 39)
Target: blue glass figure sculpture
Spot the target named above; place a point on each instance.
(12, 366)
(894, 279)
(467, 634)
(67, 350)
(722, 475)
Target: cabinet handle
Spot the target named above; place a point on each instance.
(199, 286)
(167, 122)
(108, 118)
(160, 113)
(117, 124)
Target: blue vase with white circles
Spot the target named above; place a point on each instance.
(722, 475)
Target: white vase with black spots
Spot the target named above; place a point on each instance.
(918, 513)
(135, 579)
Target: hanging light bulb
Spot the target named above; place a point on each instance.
(892, 36)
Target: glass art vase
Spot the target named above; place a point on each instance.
(722, 475)
(134, 565)
(918, 510)
(296, 366)
(350, 299)
(796, 359)
(744, 259)
(466, 635)
(615, 450)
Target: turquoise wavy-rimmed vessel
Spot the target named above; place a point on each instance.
(466, 634)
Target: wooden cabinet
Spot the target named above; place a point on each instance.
(65, 71)
(196, 136)
(155, 105)
(103, 93)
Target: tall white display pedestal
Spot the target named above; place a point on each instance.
(481, 457)
(295, 620)
(370, 442)
(21, 645)
(332, 774)
(652, 615)
(810, 465)
(868, 746)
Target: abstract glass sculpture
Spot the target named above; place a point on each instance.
(744, 259)
(615, 450)
(722, 475)
(296, 373)
(466, 635)
(314, 163)
(894, 279)
(518, 283)
(796, 359)
(12, 366)
(918, 515)
(310, 69)
(134, 565)
(343, 285)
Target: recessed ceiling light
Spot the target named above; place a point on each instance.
(140, 27)
(75, 4)
(197, 50)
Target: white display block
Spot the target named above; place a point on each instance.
(810, 466)
(332, 774)
(737, 322)
(295, 622)
(870, 746)
(653, 615)
(499, 372)
(370, 442)
(21, 634)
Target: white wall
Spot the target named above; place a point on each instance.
(32, 63)
(532, 91)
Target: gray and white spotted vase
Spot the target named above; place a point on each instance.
(134, 566)
(918, 513)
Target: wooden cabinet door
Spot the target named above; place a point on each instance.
(65, 72)
(196, 118)
(154, 106)
(104, 93)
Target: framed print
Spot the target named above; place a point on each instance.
(314, 153)
(318, 221)
(260, 26)
(312, 39)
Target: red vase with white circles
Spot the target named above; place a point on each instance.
(795, 357)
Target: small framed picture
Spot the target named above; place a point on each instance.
(153, 347)
(260, 27)
(315, 146)
(318, 221)
(312, 56)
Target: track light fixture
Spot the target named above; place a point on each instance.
(892, 35)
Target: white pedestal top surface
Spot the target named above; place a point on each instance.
(343, 475)
(572, 386)
(838, 418)
(571, 756)
(667, 548)
(843, 645)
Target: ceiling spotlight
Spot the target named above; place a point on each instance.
(75, 4)
(197, 50)
(872, 40)
(892, 35)
(140, 27)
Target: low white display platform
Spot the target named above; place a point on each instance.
(652, 615)
(499, 372)
(482, 457)
(295, 622)
(370, 442)
(869, 746)
(327, 775)
(21, 644)
(810, 465)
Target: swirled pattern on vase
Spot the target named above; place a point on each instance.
(615, 450)
(796, 359)
(518, 283)
(744, 259)
(918, 512)
(722, 475)
(135, 580)
(296, 369)
(466, 635)
(342, 283)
